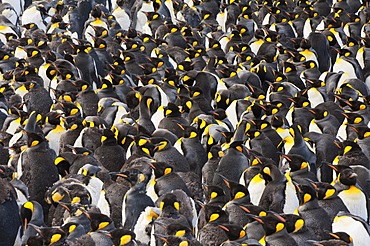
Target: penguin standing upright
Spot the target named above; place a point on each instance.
(355, 226)
(352, 196)
(279, 194)
(232, 164)
(39, 171)
(111, 155)
(315, 217)
(9, 212)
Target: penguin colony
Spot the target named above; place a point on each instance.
(184, 122)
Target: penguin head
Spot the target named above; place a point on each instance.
(320, 113)
(132, 175)
(214, 193)
(62, 165)
(32, 52)
(99, 221)
(223, 99)
(349, 147)
(35, 140)
(108, 137)
(294, 223)
(190, 132)
(215, 214)
(144, 145)
(345, 175)
(160, 143)
(251, 209)
(152, 16)
(233, 232)
(57, 195)
(345, 237)
(54, 118)
(69, 108)
(185, 66)
(178, 230)
(169, 202)
(215, 152)
(237, 145)
(7, 173)
(161, 169)
(306, 194)
(296, 162)
(73, 228)
(300, 102)
(361, 131)
(172, 110)
(277, 121)
(89, 170)
(324, 190)
(31, 211)
(272, 223)
(271, 172)
(237, 191)
(49, 235)
(121, 236)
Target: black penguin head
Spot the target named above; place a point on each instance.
(144, 145)
(296, 162)
(306, 194)
(345, 175)
(271, 172)
(341, 236)
(293, 223)
(190, 132)
(151, 16)
(238, 145)
(215, 214)
(233, 232)
(7, 173)
(50, 235)
(300, 102)
(349, 147)
(309, 64)
(132, 175)
(33, 52)
(99, 221)
(73, 227)
(215, 152)
(121, 236)
(62, 165)
(31, 211)
(172, 110)
(178, 230)
(185, 66)
(237, 191)
(214, 193)
(108, 137)
(160, 143)
(89, 170)
(361, 131)
(324, 190)
(272, 223)
(161, 169)
(169, 202)
(34, 140)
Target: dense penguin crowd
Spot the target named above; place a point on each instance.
(184, 122)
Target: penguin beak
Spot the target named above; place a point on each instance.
(181, 127)
(312, 111)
